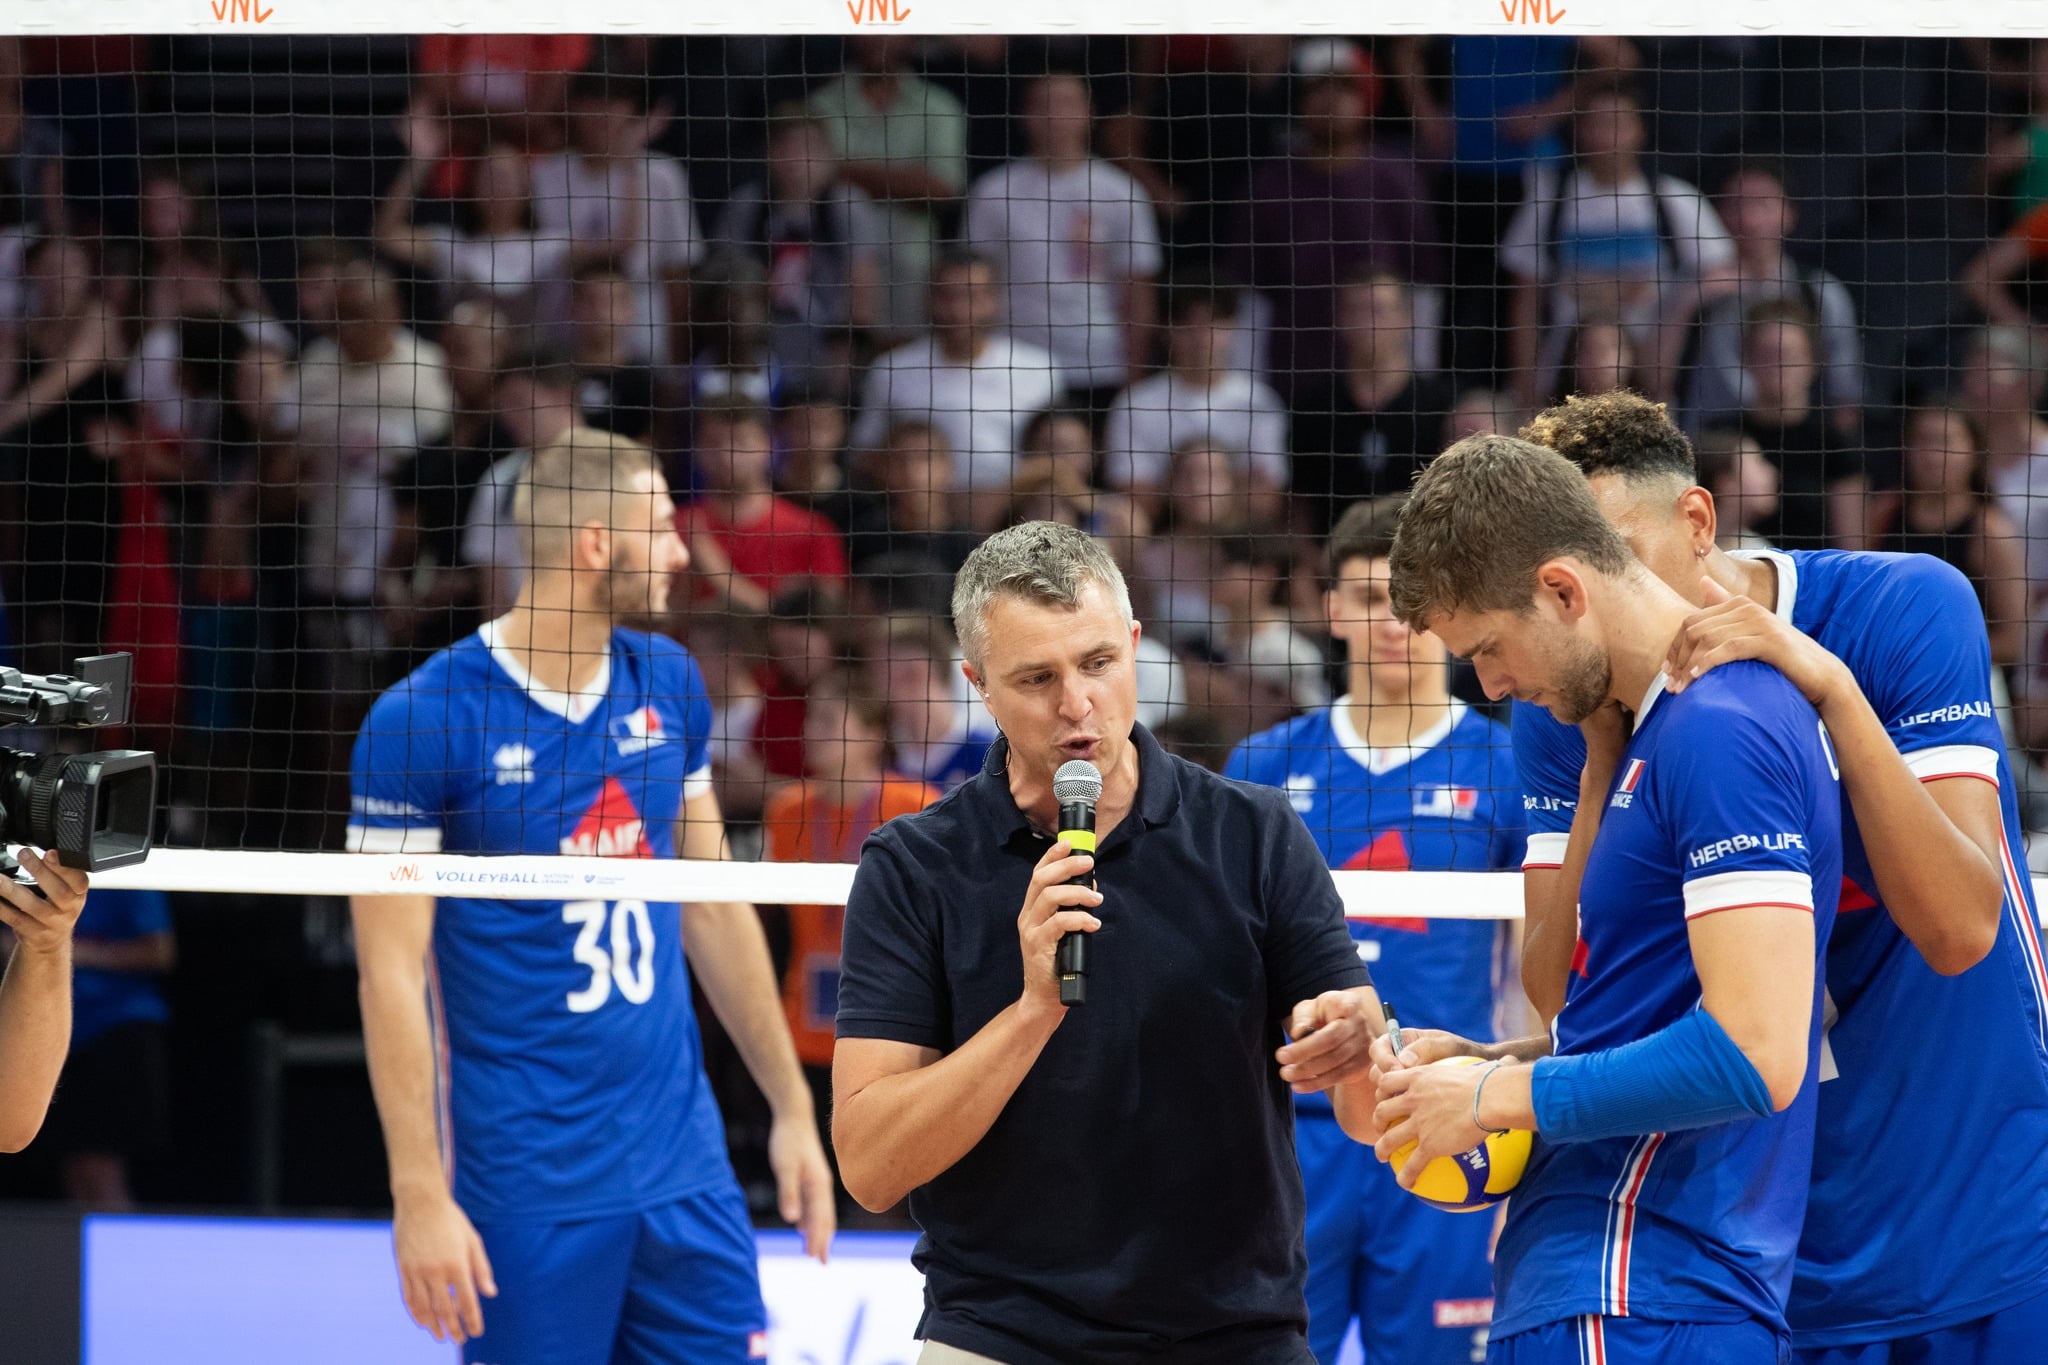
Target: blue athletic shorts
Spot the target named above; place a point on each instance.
(1636, 1341)
(674, 1285)
(2018, 1333)
(1418, 1280)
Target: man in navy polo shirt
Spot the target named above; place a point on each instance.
(1116, 1181)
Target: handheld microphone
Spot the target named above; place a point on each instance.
(1077, 786)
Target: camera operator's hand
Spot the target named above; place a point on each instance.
(43, 924)
(1053, 909)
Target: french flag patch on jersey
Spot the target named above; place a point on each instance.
(1447, 803)
(641, 731)
(1625, 794)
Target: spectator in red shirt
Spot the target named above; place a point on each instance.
(747, 543)
(497, 87)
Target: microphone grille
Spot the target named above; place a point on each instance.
(1077, 780)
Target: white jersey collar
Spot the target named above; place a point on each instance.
(574, 707)
(1378, 761)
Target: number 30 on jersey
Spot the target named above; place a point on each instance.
(628, 961)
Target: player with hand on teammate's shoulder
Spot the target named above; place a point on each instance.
(1689, 1042)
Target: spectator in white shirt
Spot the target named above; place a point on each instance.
(535, 400)
(524, 272)
(367, 399)
(1076, 242)
(976, 385)
(1600, 236)
(1196, 398)
(608, 187)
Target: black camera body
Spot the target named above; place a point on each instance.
(95, 810)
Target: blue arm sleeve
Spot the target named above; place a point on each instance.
(1687, 1075)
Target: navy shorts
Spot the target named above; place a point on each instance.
(1637, 1341)
(1418, 1280)
(674, 1285)
(2011, 1334)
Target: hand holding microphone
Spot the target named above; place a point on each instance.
(1077, 786)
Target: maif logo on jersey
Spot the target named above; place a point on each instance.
(611, 828)
(1447, 803)
(640, 731)
(1625, 794)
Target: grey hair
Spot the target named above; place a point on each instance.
(1038, 561)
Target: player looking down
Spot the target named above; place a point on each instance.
(1937, 946)
(1662, 1203)
(553, 1140)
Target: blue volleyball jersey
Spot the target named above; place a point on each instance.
(1726, 796)
(1897, 1243)
(1445, 803)
(571, 1072)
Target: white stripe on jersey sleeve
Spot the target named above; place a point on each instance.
(1545, 851)
(1954, 760)
(1732, 890)
(697, 783)
(375, 839)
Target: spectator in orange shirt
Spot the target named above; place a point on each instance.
(848, 793)
(747, 543)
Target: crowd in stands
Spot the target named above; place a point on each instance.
(1194, 295)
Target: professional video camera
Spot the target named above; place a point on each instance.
(96, 810)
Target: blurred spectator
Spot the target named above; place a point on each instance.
(810, 445)
(2001, 389)
(1744, 483)
(1204, 110)
(1075, 244)
(1601, 355)
(804, 646)
(726, 647)
(1480, 412)
(1368, 428)
(1759, 216)
(903, 141)
(1600, 236)
(912, 507)
(607, 188)
(1335, 205)
(499, 254)
(535, 403)
(1942, 509)
(1197, 398)
(1492, 111)
(495, 87)
(748, 543)
(1269, 668)
(2016, 160)
(2003, 280)
(64, 415)
(428, 590)
(848, 791)
(1824, 491)
(729, 327)
(366, 401)
(1203, 502)
(940, 732)
(977, 385)
(114, 1105)
(822, 245)
(319, 264)
(615, 391)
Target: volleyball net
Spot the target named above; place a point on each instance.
(288, 296)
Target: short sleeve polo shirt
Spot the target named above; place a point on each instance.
(1139, 1194)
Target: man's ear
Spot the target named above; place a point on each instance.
(1562, 584)
(1696, 505)
(967, 672)
(591, 547)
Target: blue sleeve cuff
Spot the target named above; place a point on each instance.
(1689, 1075)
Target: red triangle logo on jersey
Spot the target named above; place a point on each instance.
(1854, 898)
(1387, 853)
(611, 828)
(1580, 956)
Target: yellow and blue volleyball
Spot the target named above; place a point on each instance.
(1474, 1180)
